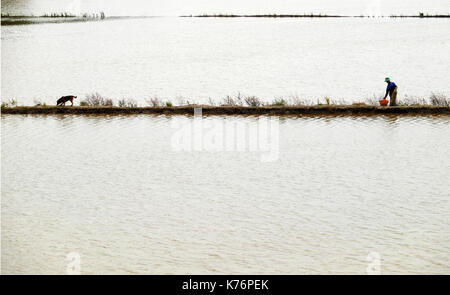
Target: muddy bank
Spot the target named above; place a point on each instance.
(232, 110)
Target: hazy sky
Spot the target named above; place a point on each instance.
(179, 7)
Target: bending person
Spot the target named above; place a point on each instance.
(392, 91)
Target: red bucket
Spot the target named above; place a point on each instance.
(384, 102)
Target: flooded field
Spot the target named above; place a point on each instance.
(192, 59)
(290, 168)
(119, 192)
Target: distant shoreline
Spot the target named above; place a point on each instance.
(11, 20)
(342, 110)
(420, 15)
(32, 20)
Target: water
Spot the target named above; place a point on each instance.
(114, 190)
(344, 59)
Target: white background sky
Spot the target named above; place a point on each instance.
(181, 7)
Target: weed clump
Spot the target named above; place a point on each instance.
(412, 101)
(124, 102)
(154, 101)
(252, 101)
(279, 102)
(295, 100)
(439, 100)
(229, 101)
(232, 102)
(11, 103)
(95, 99)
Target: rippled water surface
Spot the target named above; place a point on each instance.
(114, 190)
(170, 57)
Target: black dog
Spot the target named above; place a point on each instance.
(64, 99)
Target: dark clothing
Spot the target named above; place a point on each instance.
(390, 88)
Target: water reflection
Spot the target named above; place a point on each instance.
(114, 190)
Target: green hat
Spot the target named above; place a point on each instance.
(387, 79)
